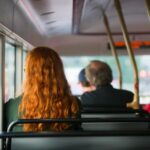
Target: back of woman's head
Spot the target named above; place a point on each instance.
(46, 93)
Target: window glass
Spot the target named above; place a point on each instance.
(144, 78)
(75, 64)
(127, 73)
(9, 71)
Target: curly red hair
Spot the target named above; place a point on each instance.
(46, 93)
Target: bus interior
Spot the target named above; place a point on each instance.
(114, 31)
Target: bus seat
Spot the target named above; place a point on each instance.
(82, 143)
(116, 126)
(84, 139)
(97, 112)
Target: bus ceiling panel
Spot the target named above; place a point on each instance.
(134, 13)
(141, 38)
(16, 25)
(91, 20)
(79, 45)
(53, 16)
(26, 29)
(6, 7)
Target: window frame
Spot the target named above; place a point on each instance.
(14, 80)
(2, 82)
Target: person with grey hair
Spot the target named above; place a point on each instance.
(99, 74)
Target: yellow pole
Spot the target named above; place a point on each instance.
(135, 103)
(114, 53)
(148, 7)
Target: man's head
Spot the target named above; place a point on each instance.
(84, 83)
(98, 73)
(82, 78)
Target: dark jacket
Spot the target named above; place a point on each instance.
(11, 114)
(107, 96)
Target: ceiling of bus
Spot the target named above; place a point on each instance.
(69, 24)
(55, 17)
(52, 17)
(134, 13)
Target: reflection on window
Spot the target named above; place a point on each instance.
(9, 71)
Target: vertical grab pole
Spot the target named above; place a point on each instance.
(148, 7)
(135, 103)
(113, 50)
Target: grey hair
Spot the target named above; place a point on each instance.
(98, 73)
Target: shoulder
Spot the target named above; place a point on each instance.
(88, 94)
(125, 94)
(13, 101)
(87, 97)
(11, 110)
(125, 91)
(16, 99)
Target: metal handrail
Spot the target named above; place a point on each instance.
(148, 8)
(135, 103)
(76, 120)
(114, 53)
(75, 133)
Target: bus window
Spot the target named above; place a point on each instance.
(9, 71)
(144, 78)
(75, 64)
(127, 79)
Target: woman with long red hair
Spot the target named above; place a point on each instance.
(46, 93)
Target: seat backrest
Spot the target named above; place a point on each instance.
(99, 112)
(121, 112)
(92, 140)
(106, 126)
(82, 143)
